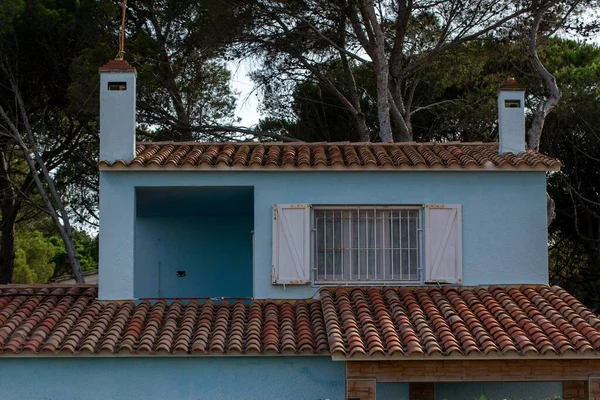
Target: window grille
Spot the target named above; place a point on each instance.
(367, 244)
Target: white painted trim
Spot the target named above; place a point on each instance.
(366, 206)
(366, 283)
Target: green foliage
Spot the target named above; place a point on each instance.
(33, 261)
(572, 134)
(9, 11)
(87, 253)
(463, 82)
(183, 83)
(40, 254)
(315, 115)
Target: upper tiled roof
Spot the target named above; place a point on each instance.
(355, 323)
(308, 156)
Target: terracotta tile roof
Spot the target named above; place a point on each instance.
(70, 320)
(116, 66)
(360, 156)
(390, 322)
(430, 321)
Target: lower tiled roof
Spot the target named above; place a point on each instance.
(430, 321)
(354, 323)
(71, 320)
(336, 156)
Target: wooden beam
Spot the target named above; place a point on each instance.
(575, 390)
(421, 391)
(476, 371)
(360, 389)
(593, 388)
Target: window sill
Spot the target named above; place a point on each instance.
(367, 283)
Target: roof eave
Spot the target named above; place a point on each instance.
(592, 355)
(122, 166)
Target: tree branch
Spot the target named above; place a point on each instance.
(539, 115)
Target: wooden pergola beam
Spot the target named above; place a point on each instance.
(474, 371)
(581, 378)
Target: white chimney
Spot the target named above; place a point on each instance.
(511, 117)
(117, 111)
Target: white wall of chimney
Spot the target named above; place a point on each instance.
(117, 117)
(511, 121)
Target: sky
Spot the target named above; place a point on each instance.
(247, 104)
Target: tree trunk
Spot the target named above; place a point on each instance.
(7, 244)
(56, 208)
(357, 114)
(377, 53)
(543, 109)
(534, 134)
(550, 209)
(403, 129)
(183, 119)
(64, 228)
(361, 126)
(383, 106)
(9, 216)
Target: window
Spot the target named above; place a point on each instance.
(366, 243)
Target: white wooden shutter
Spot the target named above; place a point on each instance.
(291, 244)
(443, 243)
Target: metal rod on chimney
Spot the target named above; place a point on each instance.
(122, 38)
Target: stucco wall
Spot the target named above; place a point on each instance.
(182, 378)
(504, 218)
(215, 251)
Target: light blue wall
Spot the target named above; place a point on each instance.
(195, 378)
(498, 390)
(116, 237)
(215, 251)
(504, 216)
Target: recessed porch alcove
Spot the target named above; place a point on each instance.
(193, 242)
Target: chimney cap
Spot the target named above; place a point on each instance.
(117, 66)
(511, 84)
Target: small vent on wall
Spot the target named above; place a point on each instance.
(117, 85)
(512, 103)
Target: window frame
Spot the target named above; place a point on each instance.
(368, 282)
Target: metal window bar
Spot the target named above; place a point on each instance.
(358, 244)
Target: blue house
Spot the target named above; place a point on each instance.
(307, 271)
